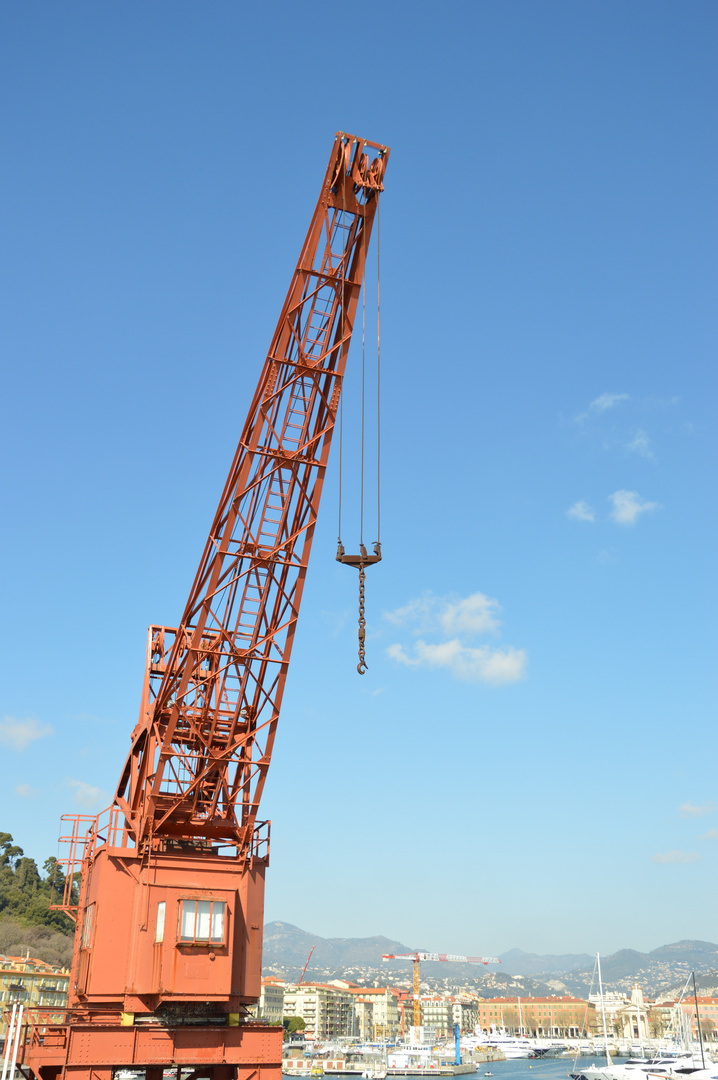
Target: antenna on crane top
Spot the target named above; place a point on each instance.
(364, 559)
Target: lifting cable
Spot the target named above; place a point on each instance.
(362, 560)
(341, 395)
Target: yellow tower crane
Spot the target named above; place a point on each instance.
(417, 957)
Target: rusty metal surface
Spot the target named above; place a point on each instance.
(97, 1044)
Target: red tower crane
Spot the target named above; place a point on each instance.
(168, 944)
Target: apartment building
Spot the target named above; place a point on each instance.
(32, 983)
(465, 1013)
(440, 1012)
(328, 1011)
(437, 1013)
(708, 1012)
(376, 1012)
(270, 1006)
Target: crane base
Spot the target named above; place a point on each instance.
(96, 1051)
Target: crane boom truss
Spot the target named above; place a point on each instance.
(213, 686)
(443, 956)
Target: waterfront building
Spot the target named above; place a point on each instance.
(328, 1011)
(661, 1018)
(437, 1012)
(405, 1006)
(626, 1018)
(708, 1010)
(33, 983)
(270, 1006)
(465, 1013)
(376, 1011)
(441, 1012)
(559, 1016)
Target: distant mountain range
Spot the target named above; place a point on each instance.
(359, 960)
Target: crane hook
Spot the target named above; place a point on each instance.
(360, 562)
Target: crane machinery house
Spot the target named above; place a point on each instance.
(168, 947)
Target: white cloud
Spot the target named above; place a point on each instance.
(25, 791)
(87, 796)
(474, 614)
(601, 404)
(581, 511)
(20, 733)
(677, 857)
(482, 664)
(641, 444)
(690, 811)
(455, 621)
(417, 612)
(712, 834)
(606, 401)
(628, 507)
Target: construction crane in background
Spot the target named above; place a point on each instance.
(416, 959)
(306, 965)
(168, 946)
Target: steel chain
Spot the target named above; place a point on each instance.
(362, 665)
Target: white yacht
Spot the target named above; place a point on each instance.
(409, 1054)
(511, 1046)
(685, 1065)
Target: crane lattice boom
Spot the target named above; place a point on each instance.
(444, 956)
(213, 685)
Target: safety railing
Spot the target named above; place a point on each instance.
(30, 1026)
(88, 833)
(260, 840)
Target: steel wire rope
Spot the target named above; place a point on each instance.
(363, 559)
(341, 338)
(378, 367)
(363, 382)
(361, 666)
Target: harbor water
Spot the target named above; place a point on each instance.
(538, 1068)
(517, 1068)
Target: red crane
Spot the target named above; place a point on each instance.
(306, 965)
(168, 944)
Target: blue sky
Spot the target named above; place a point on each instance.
(530, 759)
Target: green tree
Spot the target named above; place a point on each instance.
(25, 894)
(27, 877)
(8, 851)
(293, 1023)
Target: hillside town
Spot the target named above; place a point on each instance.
(341, 1009)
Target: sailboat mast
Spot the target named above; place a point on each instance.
(603, 1010)
(698, 1019)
